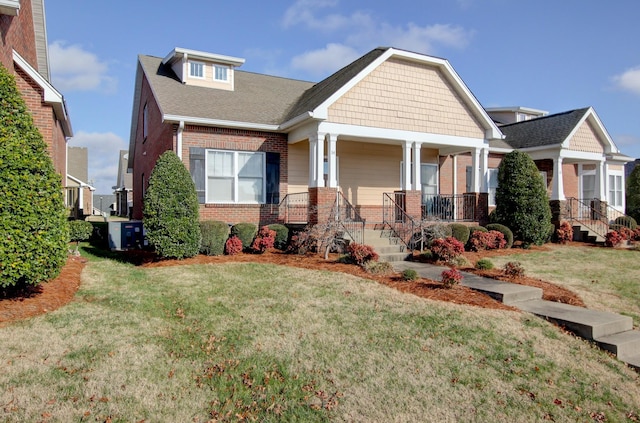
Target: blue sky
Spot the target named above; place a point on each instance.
(550, 55)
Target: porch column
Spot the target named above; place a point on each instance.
(417, 183)
(484, 170)
(312, 161)
(557, 189)
(475, 170)
(332, 163)
(316, 160)
(601, 177)
(406, 174)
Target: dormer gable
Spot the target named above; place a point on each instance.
(9, 7)
(203, 69)
(507, 115)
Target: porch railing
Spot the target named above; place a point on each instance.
(295, 207)
(349, 218)
(395, 217)
(593, 214)
(456, 207)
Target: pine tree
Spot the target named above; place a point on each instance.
(34, 232)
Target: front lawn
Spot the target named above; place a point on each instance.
(264, 342)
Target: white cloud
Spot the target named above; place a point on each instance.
(302, 12)
(325, 60)
(104, 153)
(75, 69)
(629, 80)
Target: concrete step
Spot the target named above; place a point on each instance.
(623, 344)
(393, 257)
(507, 293)
(589, 324)
(389, 249)
(633, 361)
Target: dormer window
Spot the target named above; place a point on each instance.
(221, 73)
(196, 69)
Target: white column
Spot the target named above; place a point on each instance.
(332, 162)
(601, 180)
(454, 163)
(557, 189)
(313, 151)
(417, 183)
(406, 174)
(484, 170)
(319, 170)
(475, 170)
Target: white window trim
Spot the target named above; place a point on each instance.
(263, 200)
(588, 172)
(195, 62)
(228, 73)
(616, 173)
(436, 165)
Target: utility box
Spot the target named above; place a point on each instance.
(126, 235)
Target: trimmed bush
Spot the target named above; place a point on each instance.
(522, 203)
(264, 240)
(214, 235)
(233, 246)
(451, 277)
(378, 267)
(282, 235)
(33, 219)
(626, 221)
(473, 229)
(409, 275)
(508, 234)
(564, 233)
(446, 249)
(613, 239)
(80, 230)
(245, 233)
(484, 264)
(460, 232)
(487, 240)
(171, 209)
(436, 231)
(361, 253)
(513, 270)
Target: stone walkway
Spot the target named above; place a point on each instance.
(611, 331)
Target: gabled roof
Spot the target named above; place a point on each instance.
(543, 131)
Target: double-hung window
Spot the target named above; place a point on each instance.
(196, 70)
(221, 73)
(235, 177)
(615, 191)
(493, 186)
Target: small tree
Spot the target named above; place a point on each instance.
(79, 230)
(633, 194)
(33, 220)
(522, 203)
(171, 209)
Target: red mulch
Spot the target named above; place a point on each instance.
(60, 291)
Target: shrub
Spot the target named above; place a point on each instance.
(613, 239)
(522, 203)
(626, 233)
(301, 242)
(636, 234)
(513, 270)
(473, 229)
(564, 233)
(282, 235)
(245, 232)
(361, 253)
(484, 264)
(33, 218)
(446, 249)
(171, 209)
(79, 230)
(233, 246)
(626, 221)
(459, 262)
(490, 240)
(436, 231)
(460, 232)
(633, 194)
(378, 267)
(214, 235)
(451, 277)
(264, 240)
(409, 275)
(508, 234)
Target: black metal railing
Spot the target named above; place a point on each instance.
(294, 208)
(457, 207)
(349, 218)
(590, 213)
(395, 218)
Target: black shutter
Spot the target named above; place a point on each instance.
(197, 169)
(273, 178)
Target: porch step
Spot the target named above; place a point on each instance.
(389, 249)
(588, 324)
(393, 257)
(624, 345)
(584, 234)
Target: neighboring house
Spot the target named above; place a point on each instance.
(393, 135)
(124, 187)
(104, 204)
(23, 51)
(79, 194)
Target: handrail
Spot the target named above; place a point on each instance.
(454, 207)
(349, 218)
(590, 215)
(294, 207)
(396, 218)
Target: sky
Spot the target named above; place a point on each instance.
(549, 55)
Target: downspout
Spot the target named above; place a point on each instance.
(179, 139)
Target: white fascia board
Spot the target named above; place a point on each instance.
(178, 53)
(499, 150)
(292, 123)
(517, 109)
(217, 122)
(9, 7)
(491, 129)
(51, 96)
(79, 182)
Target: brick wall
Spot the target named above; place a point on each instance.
(18, 34)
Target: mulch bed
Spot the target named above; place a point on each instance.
(60, 291)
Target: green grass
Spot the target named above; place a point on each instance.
(607, 279)
(269, 343)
